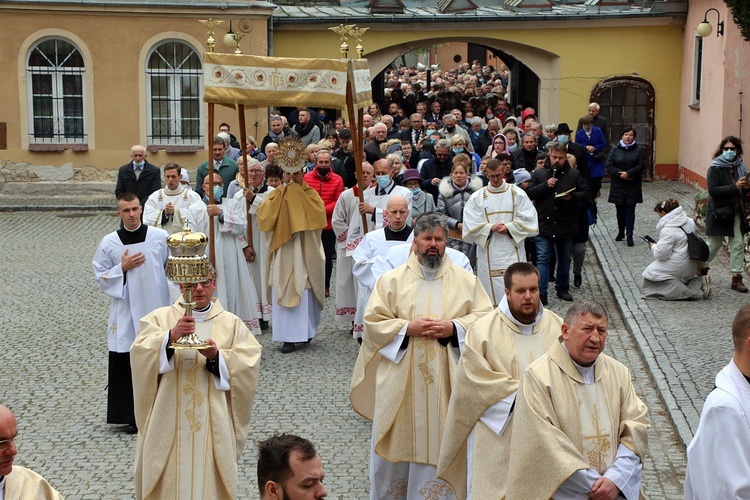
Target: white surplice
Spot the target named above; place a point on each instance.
(372, 197)
(135, 293)
(508, 205)
(373, 244)
(234, 285)
(260, 246)
(187, 204)
(718, 457)
(346, 222)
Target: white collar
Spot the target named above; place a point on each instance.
(587, 372)
(525, 329)
(132, 230)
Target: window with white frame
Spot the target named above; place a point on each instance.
(56, 81)
(697, 71)
(174, 81)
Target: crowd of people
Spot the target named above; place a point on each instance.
(444, 244)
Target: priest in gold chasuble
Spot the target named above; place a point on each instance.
(415, 321)
(475, 450)
(192, 407)
(579, 429)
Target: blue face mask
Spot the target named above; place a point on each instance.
(415, 190)
(322, 117)
(139, 163)
(458, 150)
(729, 155)
(218, 192)
(562, 139)
(429, 132)
(512, 147)
(383, 180)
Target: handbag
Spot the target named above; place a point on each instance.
(697, 246)
(723, 214)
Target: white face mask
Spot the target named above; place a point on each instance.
(139, 163)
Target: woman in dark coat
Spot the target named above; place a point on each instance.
(625, 165)
(728, 186)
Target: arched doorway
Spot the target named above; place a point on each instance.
(629, 101)
(542, 64)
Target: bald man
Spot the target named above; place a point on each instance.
(397, 231)
(18, 482)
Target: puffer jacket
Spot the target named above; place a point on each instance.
(329, 189)
(451, 203)
(671, 251)
(633, 161)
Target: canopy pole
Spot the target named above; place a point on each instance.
(355, 121)
(210, 147)
(243, 148)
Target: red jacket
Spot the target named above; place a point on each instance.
(329, 190)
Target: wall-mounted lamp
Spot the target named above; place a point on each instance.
(704, 29)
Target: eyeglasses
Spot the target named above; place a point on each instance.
(730, 148)
(442, 155)
(5, 443)
(208, 282)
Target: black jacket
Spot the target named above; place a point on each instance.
(632, 161)
(723, 192)
(431, 169)
(148, 182)
(558, 217)
(524, 159)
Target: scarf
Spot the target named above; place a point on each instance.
(274, 136)
(737, 164)
(303, 130)
(628, 146)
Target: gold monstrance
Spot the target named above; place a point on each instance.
(188, 265)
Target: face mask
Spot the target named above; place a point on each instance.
(218, 192)
(139, 163)
(513, 147)
(429, 132)
(415, 190)
(383, 180)
(458, 150)
(490, 116)
(729, 155)
(323, 172)
(562, 139)
(322, 117)
(186, 186)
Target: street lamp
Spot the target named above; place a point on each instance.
(704, 29)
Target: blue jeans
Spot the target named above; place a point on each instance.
(545, 245)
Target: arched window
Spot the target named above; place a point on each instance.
(175, 78)
(55, 76)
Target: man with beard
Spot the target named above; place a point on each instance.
(306, 129)
(474, 454)
(557, 190)
(415, 321)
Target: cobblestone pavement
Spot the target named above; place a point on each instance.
(685, 344)
(53, 370)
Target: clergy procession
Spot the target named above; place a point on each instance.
(435, 257)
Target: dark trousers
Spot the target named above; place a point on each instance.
(120, 390)
(596, 186)
(329, 247)
(625, 218)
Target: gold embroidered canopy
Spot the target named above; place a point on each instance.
(258, 81)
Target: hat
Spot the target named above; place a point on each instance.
(513, 119)
(411, 174)
(393, 148)
(184, 177)
(521, 175)
(563, 128)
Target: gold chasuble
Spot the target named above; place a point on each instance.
(25, 484)
(191, 434)
(294, 216)
(495, 354)
(562, 425)
(408, 401)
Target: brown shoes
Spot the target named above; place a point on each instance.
(737, 283)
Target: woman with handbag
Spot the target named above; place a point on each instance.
(672, 276)
(728, 185)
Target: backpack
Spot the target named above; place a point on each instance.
(697, 247)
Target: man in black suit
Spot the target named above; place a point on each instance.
(138, 176)
(416, 132)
